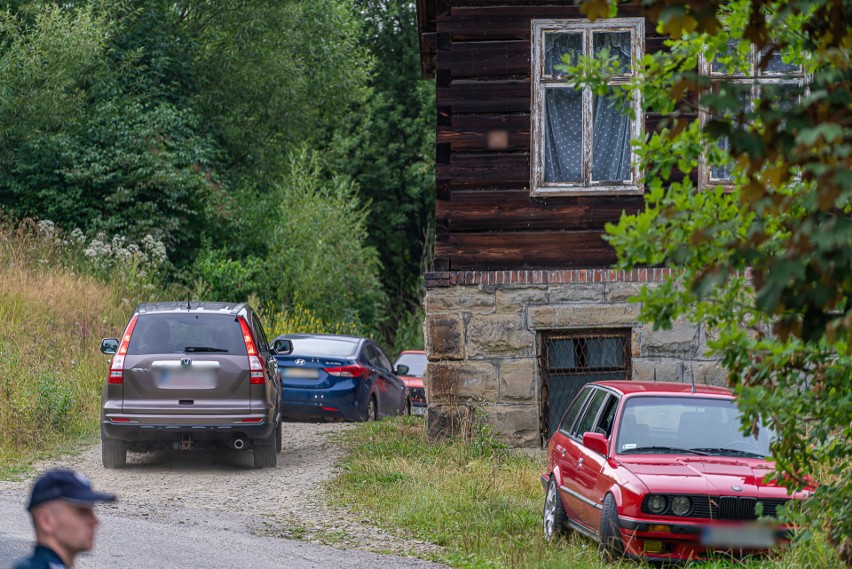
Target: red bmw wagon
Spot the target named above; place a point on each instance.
(660, 471)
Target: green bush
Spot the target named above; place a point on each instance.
(318, 247)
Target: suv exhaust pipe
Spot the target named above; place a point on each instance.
(239, 444)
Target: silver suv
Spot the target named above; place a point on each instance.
(188, 375)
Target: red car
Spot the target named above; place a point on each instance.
(413, 364)
(660, 471)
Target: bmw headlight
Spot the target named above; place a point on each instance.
(657, 503)
(681, 505)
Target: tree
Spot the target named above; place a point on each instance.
(766, 262)
(319, 247)
(391, 153)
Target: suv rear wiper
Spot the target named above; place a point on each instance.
(651, 449)
(733, 451)
(203, 349)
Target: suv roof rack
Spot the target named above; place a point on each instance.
(185, 306)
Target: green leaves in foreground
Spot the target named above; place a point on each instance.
(765, 262)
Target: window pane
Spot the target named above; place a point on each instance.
(563, 118)
(561, 354)
(782, 95)
(722, 172)
(557, 45)
(734, 60)
(618, 44)
(605, 352)
(611, 141)
(775, 65)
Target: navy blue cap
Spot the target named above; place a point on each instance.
(66, 485)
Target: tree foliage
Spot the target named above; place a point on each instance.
(391, 152)
(766, 263)
(319, 247)
(179, 121)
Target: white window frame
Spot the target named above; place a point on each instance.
(755, 78)
(540, 83)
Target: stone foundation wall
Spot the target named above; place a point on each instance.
(481, 334)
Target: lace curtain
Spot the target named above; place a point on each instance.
(563, 161)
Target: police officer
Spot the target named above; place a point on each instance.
(61, 505)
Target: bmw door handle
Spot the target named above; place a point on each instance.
(579, 462)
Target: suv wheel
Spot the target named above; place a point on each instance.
(265, 455)
(113, 453)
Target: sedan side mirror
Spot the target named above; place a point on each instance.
(402, 369)
(596, 442)
(109, 346)
(282, 346)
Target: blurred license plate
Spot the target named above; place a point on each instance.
(739, 537)
(189, 379)
(306, 373)
(418, 410)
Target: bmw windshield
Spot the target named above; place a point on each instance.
(687, 425)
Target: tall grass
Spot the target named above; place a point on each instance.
(51, 322)
(482, 502)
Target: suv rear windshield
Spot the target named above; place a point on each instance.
(174, 333)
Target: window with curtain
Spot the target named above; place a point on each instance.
(753, 74)
(581, 140)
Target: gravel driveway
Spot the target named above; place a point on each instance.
(289, 501)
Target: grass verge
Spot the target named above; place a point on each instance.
(481, 501)
(51, 370)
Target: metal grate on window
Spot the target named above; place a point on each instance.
(568, 361)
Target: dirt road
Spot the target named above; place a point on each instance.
(221, 492)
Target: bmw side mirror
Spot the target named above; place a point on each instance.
(109, 346)
(282, 346)
(402, 369)
(596, 442)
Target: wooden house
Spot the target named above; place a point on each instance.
(522, 308)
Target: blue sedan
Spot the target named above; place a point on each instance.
(327, 377)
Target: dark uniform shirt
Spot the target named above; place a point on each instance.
(42, 558)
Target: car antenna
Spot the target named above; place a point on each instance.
(655, 375)
(694, 355)
(188, 306)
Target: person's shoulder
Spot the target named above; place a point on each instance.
(33, 562)
(41, 558)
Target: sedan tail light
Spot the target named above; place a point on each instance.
(353, 370)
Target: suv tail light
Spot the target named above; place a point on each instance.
(256, 375)
(116, 368)
(353, 370)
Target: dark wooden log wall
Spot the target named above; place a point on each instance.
(485, 216)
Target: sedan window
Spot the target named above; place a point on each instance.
(331, 347)
(587, 423)
(696, 425)
(384, 362)
(416, 363)
(605, 425)
(573, 411)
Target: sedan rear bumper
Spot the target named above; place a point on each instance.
(345, 400)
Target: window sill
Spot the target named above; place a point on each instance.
(555, 191)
